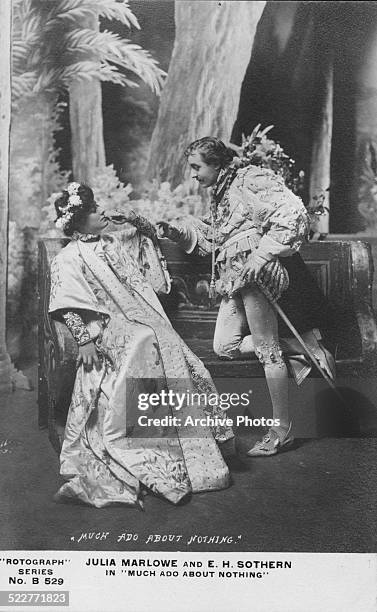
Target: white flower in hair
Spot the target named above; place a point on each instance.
(73, 188)
(67, 212)
(74, 200)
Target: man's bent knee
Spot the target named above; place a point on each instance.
(226, 350)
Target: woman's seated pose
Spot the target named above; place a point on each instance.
(254, 231)
(135, 374)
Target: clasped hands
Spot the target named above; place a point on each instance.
(251, 269)
(163, 229)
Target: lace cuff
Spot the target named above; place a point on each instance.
(77, 327)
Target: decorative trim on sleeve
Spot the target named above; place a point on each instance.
(77, 327)
(143, 225)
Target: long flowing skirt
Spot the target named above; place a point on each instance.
(107, 456)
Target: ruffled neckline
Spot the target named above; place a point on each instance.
(85, 237)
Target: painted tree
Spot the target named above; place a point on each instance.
(61, 46)
(58, 46)
(5, 99)
(211, 53)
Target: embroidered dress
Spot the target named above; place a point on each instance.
(107, 454)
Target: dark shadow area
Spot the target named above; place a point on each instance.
(345, 415)
(284, 86)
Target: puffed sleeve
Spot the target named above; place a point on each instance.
(70, 290)
(72, 300)
(282, 216)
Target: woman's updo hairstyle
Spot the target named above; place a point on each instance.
(213, 151)
(74, 215)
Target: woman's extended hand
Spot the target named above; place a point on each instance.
(120, 217)
(165, 230)
(88, 356)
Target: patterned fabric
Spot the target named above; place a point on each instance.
(146, 252)
(143, 225)
(273, 277)
(77, 327)
(107, 454)
(257, 216)
(224, 181)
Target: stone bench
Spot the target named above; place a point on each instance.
(343, 270)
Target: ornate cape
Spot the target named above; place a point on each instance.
(106, 454)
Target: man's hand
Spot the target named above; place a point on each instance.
(252, 268)
(165, 230)
(88, 356)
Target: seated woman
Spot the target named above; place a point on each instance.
(254, 231)
(128, 351)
